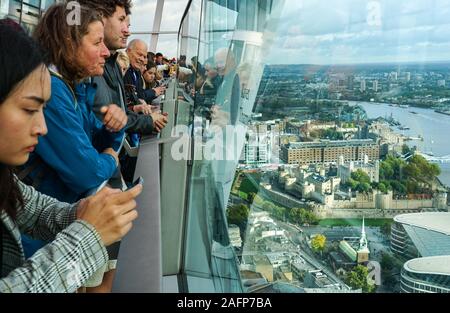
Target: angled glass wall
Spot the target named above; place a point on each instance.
(219, 73)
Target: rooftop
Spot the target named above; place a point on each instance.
(276, 287)
(432, 221)
(331, 143)
(438, 265)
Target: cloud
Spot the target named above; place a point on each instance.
(354, 31)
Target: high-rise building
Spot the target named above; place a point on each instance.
(375, 85)
(258, 145)
(394, 76)
(351, 82)
(363, 85)
(408, 76)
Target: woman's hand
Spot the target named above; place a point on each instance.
(111, 212)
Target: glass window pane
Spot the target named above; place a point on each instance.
(172, 14)
(142, 15)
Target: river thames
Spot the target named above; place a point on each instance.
(433, 127)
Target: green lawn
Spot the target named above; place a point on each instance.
(355, 222)
(243, 195)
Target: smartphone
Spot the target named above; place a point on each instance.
(138, 181)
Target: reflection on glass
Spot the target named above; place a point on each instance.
(219, 71)
(342, 155)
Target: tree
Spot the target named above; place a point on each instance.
(358, 279)
(359, 181)
(387, 262)
(382, 187)
(386, 170)
(302, 216)
(406, 150)
(279, 213)
(294, 216)
(352, 184)
(251, 197)
(361, 177)
(268, 206)
(318, 243)
(363, 187)
(238, 214)
(250, 185)
(386, 229)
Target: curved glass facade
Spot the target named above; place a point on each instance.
(424, 283)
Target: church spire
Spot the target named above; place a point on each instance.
(363, 245)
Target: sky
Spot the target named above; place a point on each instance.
(339, 31)
(362, 31)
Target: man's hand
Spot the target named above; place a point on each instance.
(143, 108)
(159, 121)
(115, 119)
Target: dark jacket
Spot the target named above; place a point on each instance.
(134, 77)
(111, 90)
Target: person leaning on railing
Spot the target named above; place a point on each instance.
(110, 86)
(80, 152)
(79, 232)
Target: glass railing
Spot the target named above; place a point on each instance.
(221, 44)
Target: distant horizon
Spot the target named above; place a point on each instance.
(368, 63)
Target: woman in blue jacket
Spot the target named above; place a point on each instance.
(80, 152)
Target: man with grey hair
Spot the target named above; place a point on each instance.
(137, 52)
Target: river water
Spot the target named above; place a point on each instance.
(433, 127)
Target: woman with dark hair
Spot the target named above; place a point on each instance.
(79, 234)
